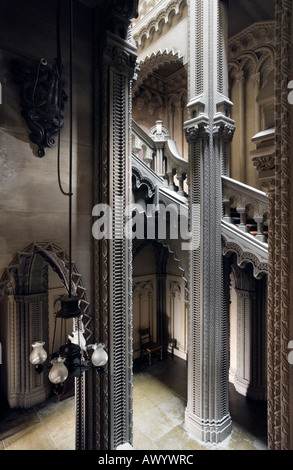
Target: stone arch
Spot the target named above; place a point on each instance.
(245, 257)
(25, 307)
(247, 326)
(168, 281)
(20, 276)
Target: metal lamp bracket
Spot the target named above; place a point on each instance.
(42, 101)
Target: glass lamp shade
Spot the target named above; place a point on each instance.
(59, 372)
(38, 354)
(99, 357)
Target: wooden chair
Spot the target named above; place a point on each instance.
(147, 346)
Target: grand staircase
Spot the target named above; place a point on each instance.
(158, 167)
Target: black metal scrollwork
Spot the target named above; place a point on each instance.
(42, 101)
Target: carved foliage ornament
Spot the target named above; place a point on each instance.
(42, 101)
(196, 132)
(264, 162)
(224, 131)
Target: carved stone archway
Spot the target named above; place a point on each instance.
(24, 292)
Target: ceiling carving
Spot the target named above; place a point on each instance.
(243, 13)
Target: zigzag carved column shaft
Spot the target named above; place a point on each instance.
(279, 411)
(209, 132)
(108, 397)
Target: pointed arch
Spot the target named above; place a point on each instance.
(17, 276)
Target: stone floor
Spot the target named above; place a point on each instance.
(159, 401)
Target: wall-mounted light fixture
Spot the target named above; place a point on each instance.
(42, 100)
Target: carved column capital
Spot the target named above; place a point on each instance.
(240, 77)
(124, 59)
(224, 131)
(196, 131)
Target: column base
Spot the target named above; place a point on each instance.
(208, 431)
(241, 385)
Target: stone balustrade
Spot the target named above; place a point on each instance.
(246, 207)
(159, 152)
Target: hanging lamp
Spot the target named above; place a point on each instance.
(71, 359)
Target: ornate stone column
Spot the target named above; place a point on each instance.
(209, 131)
(275, 170)
(242, 127)
(256, 79)
(106, 412)
(27, 321)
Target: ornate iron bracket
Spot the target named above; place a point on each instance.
(42, 101)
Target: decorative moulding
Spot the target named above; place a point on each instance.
(255, 35)
(157, 16)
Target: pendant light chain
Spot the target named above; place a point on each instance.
(70, 148)
(71, 352)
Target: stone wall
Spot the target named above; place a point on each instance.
(32, 207)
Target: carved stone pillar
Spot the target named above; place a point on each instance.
(273, 161)
(248, 333)
(280, 382)
(209, 126)
(106, 414)
(242, 378)
(242, 127)
(256, 79)
(27, 323)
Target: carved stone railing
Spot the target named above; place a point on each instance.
(245, 207)
(157, 165)
(244, 225)
(160, 154)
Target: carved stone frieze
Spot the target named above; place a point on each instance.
(245, 257)
(139, 180)
(251, 51)
(269, 186)
(164, 10)
(280, 273)
(251, 38)
(264, 162)
(151, 63)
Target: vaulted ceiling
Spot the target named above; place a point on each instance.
(243, 13)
